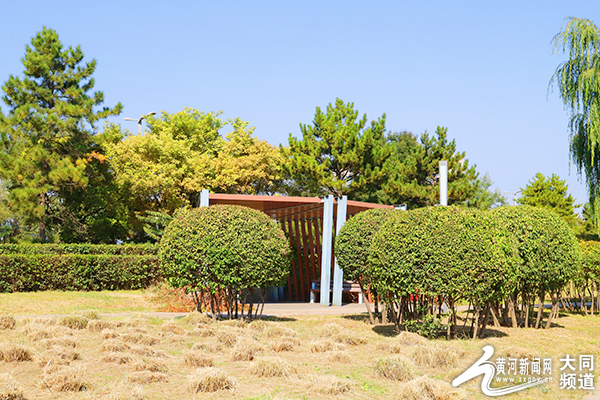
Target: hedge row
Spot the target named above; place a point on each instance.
(146, 249)
(33, 272)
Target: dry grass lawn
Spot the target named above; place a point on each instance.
(308, 357)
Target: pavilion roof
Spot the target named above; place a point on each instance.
(288, 207)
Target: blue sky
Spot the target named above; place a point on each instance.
(479, 68)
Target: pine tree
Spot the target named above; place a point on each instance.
(48, 133)
(338, 154)
(550, 193)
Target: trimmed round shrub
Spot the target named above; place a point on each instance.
(224, 246)
(353, 242)
(459, 252)
(548, 250)
(590, 265)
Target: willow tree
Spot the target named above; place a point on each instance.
(578, 81)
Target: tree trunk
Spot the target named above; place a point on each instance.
(367, 303)
(554, 308)
(512, 312)
(493, 310)
(475, 323)
(42, 227)
(540, 312)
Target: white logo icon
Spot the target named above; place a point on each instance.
(488, 370)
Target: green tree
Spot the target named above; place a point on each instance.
(550, 193)
(577, 80)
(49, 149)
(412, 171)
(165, 169)
(338, 154)
(226, 248)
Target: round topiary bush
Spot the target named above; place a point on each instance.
(450, 252)
(353, 242)
(549, 256)
(224, 247)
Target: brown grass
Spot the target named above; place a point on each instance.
(195, 318)
(147, 351)
(150, 364)
(64, 379)
(9, 390)
(349, 338)
(139, 338)
(10, 352)
(341, 357)
(245, 350)
(209, 347)
(60, 341)
(329, 385)
(321, 346)
(516, 352)
(280, 331)
(195, 358)
(38, 332)
(115, 345)
(146, 377)
(283, 345)
(227, 337)
(429, 389)
(58, 355)
(73, 322)
(109, 334)
(7, 322)
(273, 367)
(172, 327)
(396, 368)
(98, 325)
(118, 358)
(209, 379)
(90, 314)
(434, 356)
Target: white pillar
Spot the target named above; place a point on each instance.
(338, 274)
(443, 183)
(326, 249)
(204, 198)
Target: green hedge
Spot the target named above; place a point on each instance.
(33, 267)
(147, 249)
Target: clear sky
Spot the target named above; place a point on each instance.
(479, 68)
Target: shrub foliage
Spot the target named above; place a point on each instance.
(224, 250)
(35, 267)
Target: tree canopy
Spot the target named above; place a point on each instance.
(338, 154)
(50, 157)
(577, 81)
(412, 173)
(552, 194)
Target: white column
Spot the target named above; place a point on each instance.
(326, 249)
(204, 198)
(443, 183)
(338, 274)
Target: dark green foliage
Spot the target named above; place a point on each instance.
(24, 273)
(224, 247)
(458, 252)
(33, 267)
(146, 249)
(548, 250)
(577, 82)
(51, 160)
(590, 265)
(353, 242)
(552, 194)
(412, 171)
(430, 327)
(338, 154)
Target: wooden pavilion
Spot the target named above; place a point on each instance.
(310, 224)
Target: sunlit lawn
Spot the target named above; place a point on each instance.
(52, 302)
